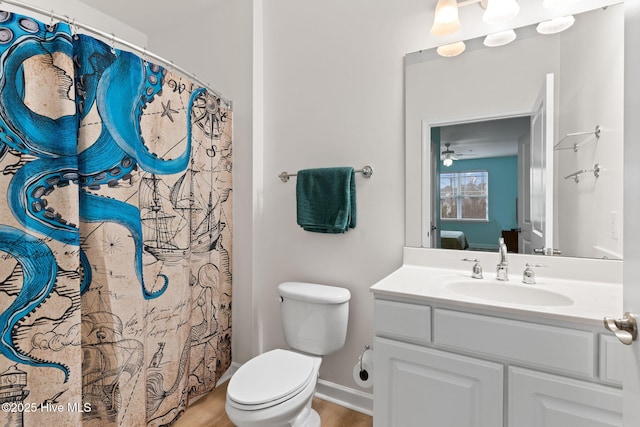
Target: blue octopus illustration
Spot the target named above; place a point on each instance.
(39, 266)
(120, 85)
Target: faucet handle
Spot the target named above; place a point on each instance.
(476, 272)
(529, 276)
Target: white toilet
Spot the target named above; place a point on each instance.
(275, 388)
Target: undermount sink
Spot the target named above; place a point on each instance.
(507, 292)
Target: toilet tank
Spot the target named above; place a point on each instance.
(314, 317)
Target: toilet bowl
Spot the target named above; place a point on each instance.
(275, 389)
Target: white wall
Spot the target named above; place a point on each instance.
(333, 96)
(84, 14)
(585, 228)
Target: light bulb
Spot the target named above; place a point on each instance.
(445, 19)
(453, 49)
(551, 4)
(500, 39)
(499, 11)
(555, 25)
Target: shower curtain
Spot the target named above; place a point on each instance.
(115, 233)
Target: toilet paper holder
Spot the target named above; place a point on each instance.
(364, 375)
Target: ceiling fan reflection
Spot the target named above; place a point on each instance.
(449, 155)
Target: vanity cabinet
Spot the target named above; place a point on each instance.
(426, 387)
(537, 399)
(445, 365)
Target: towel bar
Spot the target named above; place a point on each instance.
(577, 145)
(366, 171)
(576, 175)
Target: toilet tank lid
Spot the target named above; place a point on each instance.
(312, 292)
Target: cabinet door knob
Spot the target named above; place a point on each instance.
(625, 329)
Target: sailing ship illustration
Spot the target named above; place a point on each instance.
(109, 362)
(168, 212)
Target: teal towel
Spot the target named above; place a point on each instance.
(326, 199)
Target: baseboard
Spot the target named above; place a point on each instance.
(344, 396)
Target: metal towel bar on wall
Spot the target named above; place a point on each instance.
(366, 172)
(576, 175)
(596, 133)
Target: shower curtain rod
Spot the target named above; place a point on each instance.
(113, 39)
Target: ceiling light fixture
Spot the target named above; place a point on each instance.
(448, 161)
(555, 25)
(445, 17)
(500, 39)
(452, 49)
(446, 21)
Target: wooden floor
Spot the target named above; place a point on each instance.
(209, 412)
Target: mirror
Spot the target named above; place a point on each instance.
(476, 99)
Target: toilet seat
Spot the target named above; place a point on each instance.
(270, 379)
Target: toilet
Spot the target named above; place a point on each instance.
(275, 388)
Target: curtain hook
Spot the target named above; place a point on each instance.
(113, 43)
(69, 23)
(74, 28)
(144, 57)
(50, 26)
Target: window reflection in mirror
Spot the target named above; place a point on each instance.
(477, 189)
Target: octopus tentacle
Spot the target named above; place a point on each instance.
(123, 123)
(39, 277)
(87, 275)
(21, 128)
(95, 208)
(27, 197)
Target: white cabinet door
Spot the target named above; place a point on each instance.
(418, 386)
(537, 399)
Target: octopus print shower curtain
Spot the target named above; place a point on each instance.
(115, 233)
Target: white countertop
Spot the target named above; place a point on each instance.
(591, 300)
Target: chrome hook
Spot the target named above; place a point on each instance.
(144, 57)
(113, 43)
(75, 29)
(73, 26)
(51, 25)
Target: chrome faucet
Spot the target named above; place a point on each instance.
(503, 272)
